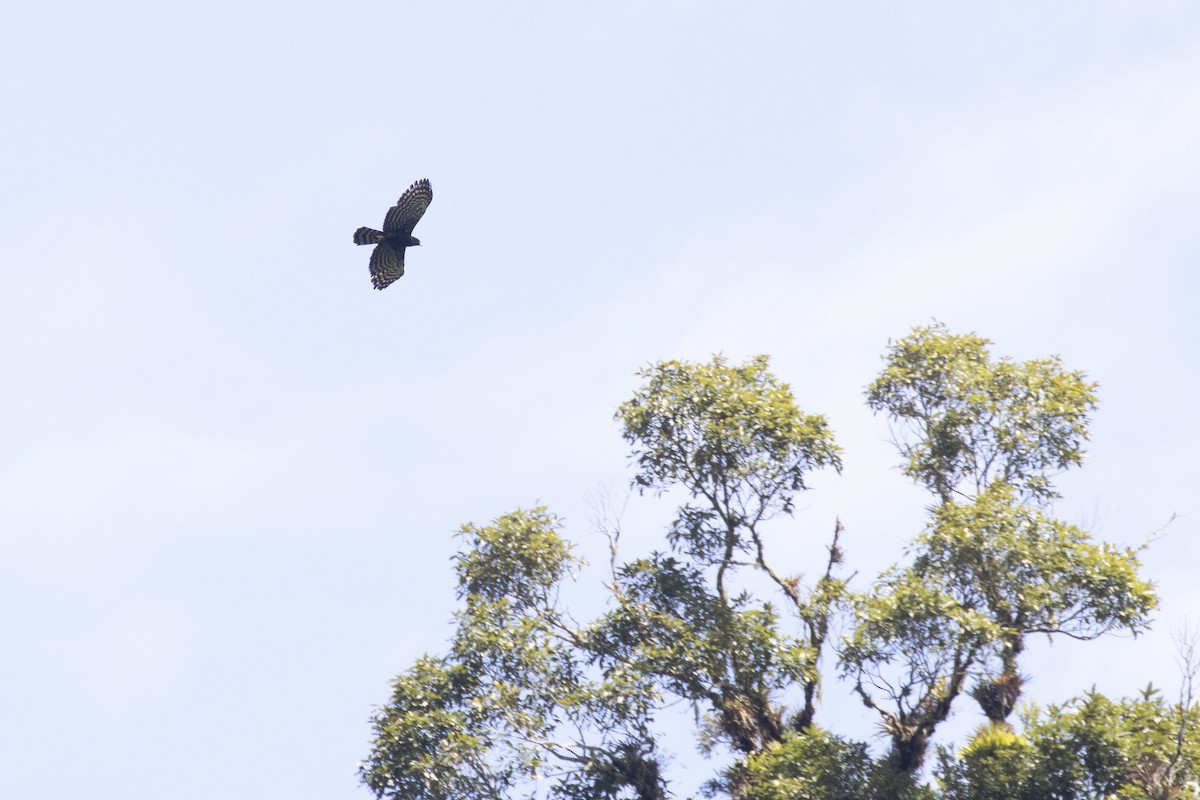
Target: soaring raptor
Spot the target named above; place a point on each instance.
(387, 259)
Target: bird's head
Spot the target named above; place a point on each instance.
(414, 241)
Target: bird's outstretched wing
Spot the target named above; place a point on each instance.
(404, 216)
(387, 264)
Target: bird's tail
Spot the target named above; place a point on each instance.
(368, 236)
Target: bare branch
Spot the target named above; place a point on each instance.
(1186, 641)
(606, 518)
(1157, 533)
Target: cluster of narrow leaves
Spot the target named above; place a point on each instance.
(1141, 748)
(529, 702)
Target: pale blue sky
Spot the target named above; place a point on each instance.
(230, 470)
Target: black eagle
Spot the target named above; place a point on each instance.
(387, 259)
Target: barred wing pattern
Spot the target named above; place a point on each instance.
(387, 264)
(387, 259)
(404, 216)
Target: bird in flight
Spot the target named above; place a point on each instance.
(387, 259)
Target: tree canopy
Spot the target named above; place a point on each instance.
(530, 700)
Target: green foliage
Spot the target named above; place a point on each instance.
(528, 702)
(994, 765)
(1134, 749)
(991, 567)
(427, 741)
(909, 654)
(731, 657)
(1090, 747)
(1030, 573)
(817, 765)
(520, 557)
(906, 616)
(814, 765)
(969, 421)
(734, 438)
(672, 627)
(513, 700)
(731, 435)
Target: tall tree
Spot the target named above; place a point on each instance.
(735, 440)
(512, 703)
(527, 701)
(985, 437)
